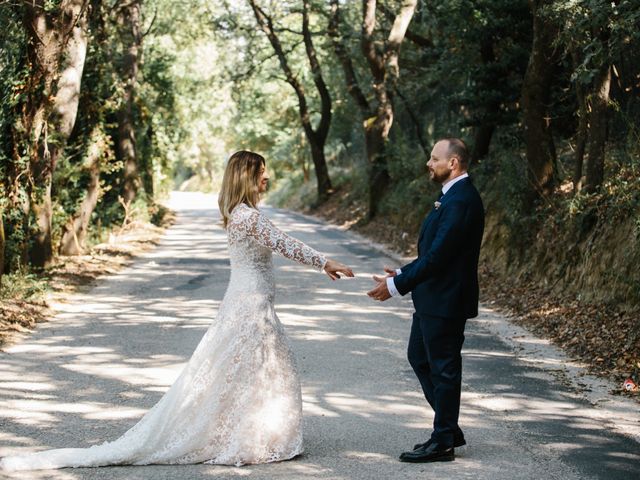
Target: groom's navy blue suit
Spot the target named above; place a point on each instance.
(443, 282)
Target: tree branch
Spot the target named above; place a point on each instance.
(266, 25)
(375, 61)
(416, 38)
(345, 60)
(153, 20)
(325, 99)
(396, 36)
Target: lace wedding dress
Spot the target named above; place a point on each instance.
(238, 399)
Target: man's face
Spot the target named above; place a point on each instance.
(440, 165)
(263, 181)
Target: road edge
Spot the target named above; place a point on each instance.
(621, 413)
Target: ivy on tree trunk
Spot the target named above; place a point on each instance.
(55, 52)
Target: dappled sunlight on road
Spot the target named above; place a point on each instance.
(110, 354)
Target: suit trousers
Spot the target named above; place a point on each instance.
(434, 352)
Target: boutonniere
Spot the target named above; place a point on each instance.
(436, 205)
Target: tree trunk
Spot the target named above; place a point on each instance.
(536, 88)
(322, 173)
(490, 111)
(375, 141)
(581, 137)
(54, 37)
(41, 252)
(316, 137)
(353, 87)
(583, 125)
(129, 20)
(2, 245)
(75, 231)
(384, 68)
(598, 130)
(482, 141)
(322, 130)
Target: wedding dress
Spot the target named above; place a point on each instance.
(238, 399)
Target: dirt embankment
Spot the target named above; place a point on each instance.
(560, 288)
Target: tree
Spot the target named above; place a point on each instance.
(588, 33)
(2, 245)
(55, 54)
(79, 186)
(383, 63)
(598, 129)
(536, 95)
(12, 72)
(129, 19)
(316, 137)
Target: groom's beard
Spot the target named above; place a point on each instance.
(439, 178)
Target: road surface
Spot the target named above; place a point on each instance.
(108, 356)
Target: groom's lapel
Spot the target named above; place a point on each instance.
(426, 222)
(442, 200)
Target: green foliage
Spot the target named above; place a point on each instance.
(26, 286)
(13, 161)
(209, 85)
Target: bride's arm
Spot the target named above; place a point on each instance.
(268, 235)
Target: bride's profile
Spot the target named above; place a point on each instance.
(238, 399)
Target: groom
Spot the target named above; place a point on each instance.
(443, 282)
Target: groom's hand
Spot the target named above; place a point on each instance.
(391, 272)
(380, 291)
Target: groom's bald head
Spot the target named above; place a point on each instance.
(458, 149)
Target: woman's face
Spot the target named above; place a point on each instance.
(263, 179)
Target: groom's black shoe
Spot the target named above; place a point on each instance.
(458, 441)
(434, 452)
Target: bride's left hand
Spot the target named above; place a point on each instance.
(334, 269)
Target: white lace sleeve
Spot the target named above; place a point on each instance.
(257, 226)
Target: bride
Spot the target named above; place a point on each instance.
(238, 399)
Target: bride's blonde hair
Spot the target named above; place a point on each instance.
(240, 182)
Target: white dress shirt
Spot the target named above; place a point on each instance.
(391, 285)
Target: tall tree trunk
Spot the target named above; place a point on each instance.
(598, 130)
(55, 37)
(536, 88)
(384, 67)
(75, 231)
(491, 110)
(2, 245)
(129, 19)
(482, 141)
(385, 70)
(581, 136)
(353, 87)
(322, 130)
(316, 136)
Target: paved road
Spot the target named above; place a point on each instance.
(87, 375)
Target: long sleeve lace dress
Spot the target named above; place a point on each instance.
(238, 399)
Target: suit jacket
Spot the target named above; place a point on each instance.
(443, 280)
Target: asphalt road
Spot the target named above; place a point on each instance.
(108, 355)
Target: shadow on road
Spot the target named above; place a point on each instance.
(87, 376)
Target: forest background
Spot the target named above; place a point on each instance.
(108, 105)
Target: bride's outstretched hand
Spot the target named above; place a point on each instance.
(334, 269)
